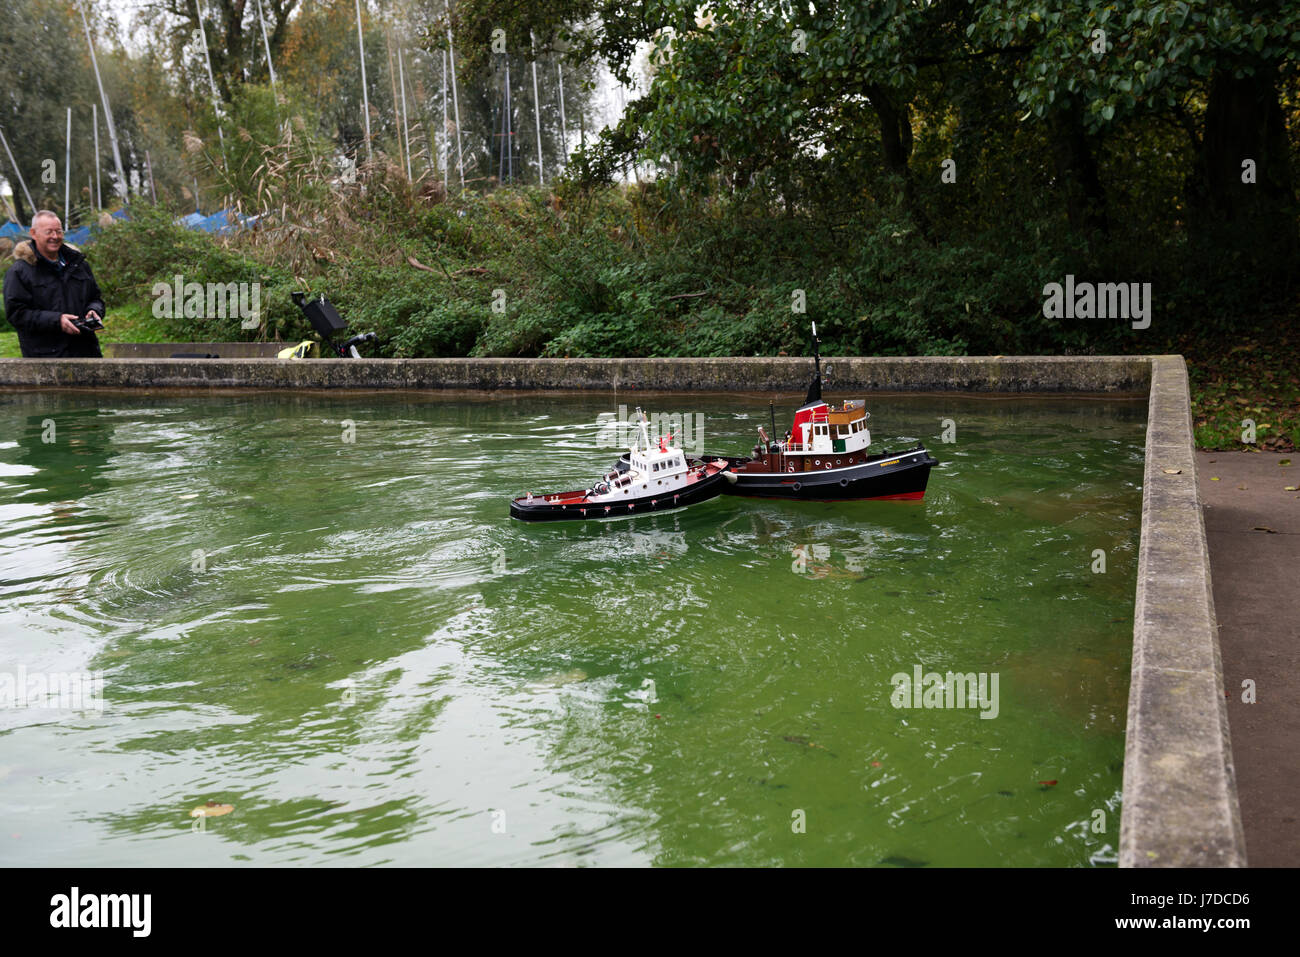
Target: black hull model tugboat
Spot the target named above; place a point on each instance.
(650, 479)
(825, 458)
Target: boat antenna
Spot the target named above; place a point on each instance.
(815, 388)
(641, 425)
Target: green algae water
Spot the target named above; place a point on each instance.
(316, 609)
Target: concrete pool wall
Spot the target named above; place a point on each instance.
(1179, 794)
(1055, 374)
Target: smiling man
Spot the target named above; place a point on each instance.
(48, 290)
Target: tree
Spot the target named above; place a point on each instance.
(1214, 68)
(234, 35)
(34, 101)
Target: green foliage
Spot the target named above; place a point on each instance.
(1144, 57)
(132, 256)
(270, 149)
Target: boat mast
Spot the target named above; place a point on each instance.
(641, 424)
(815, 387)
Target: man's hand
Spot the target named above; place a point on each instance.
(67, 320)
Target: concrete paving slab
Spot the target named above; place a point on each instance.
(1256, 579)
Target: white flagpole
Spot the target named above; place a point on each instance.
(17, 172)
(365, 94)
(455, 99)
(564, 130)
(108, 113)
(446, 133)
(406, 129)
(67, 177)
(537, 109)
(212, 80)
(267, 43)
(99, 196)
(510, 131)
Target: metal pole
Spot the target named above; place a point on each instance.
(446, 134)
(67, 176)
(365, 95)
(510, 130)
(267, 43)
(397, 105)
(14, 163)
(108, 113)
(212, 80)
(537, 109)
(564, 130)
(406, 129)
(455, 100)
(503, 137)
(99, 196)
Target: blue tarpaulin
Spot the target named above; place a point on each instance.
(225, 221)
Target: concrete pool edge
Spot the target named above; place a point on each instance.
(985, 374)
(1180, 806)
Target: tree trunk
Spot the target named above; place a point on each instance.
(1076, 172)
(896, 146)
(1244, 121)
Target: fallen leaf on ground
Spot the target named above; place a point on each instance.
(1291, 488)
(1264, 528)
(1214, 478)
(1173, 471)
(1284, 462)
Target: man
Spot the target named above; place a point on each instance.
(47, 289)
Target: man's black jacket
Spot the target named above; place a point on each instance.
(38, 293)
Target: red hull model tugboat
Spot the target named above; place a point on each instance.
(655, 479)
(825, 458)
